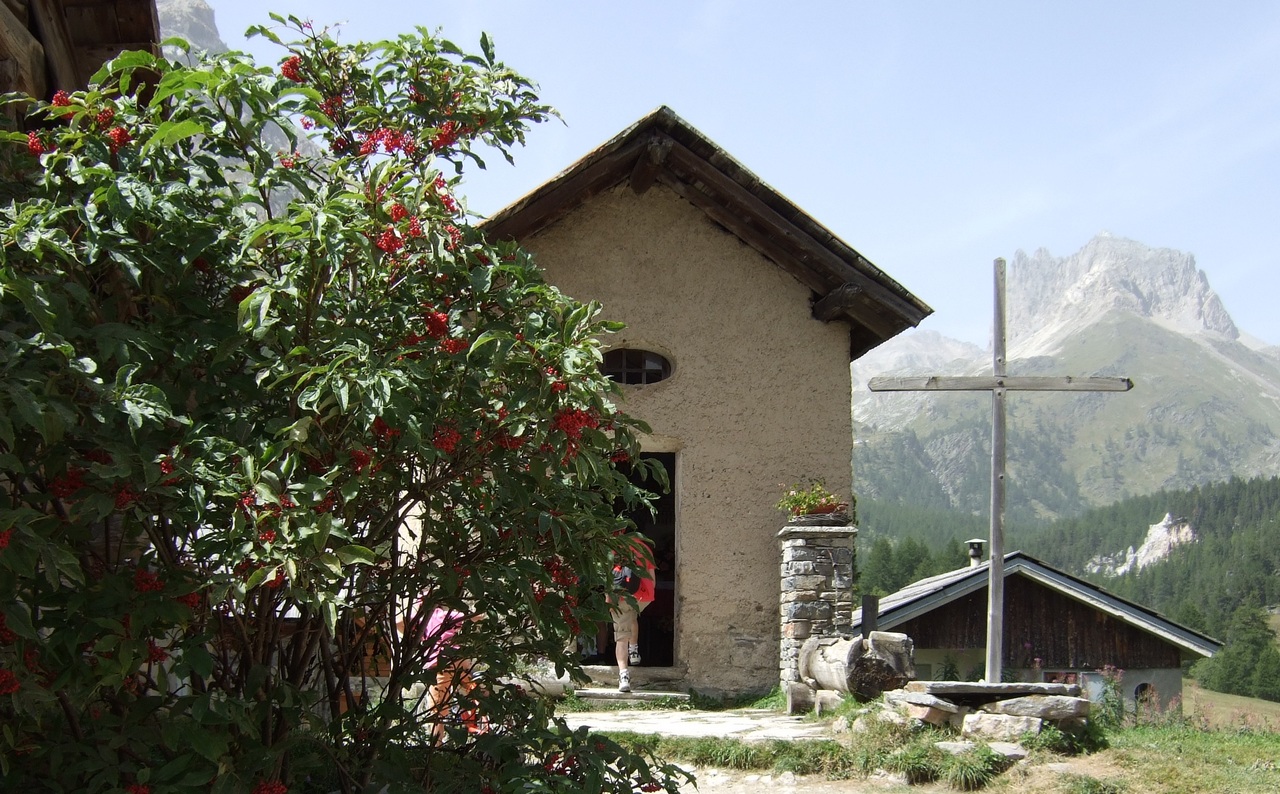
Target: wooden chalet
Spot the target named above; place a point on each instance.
(1057, 628)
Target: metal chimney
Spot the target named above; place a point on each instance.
(975, 551)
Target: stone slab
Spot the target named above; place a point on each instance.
(997, 691)
(1046, 707)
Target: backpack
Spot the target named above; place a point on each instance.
(625, 579)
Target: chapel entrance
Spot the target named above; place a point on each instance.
(657, 621)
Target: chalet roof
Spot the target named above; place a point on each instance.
(924, 596)
(664, 148)
(53, 44)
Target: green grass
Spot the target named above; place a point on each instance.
(1186, 759)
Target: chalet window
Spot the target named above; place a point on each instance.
(633, 366)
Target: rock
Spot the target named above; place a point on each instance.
(999, 727)
(907, 697)
(1046, 707)
(927, 714)
(955, 748)
(1010, 750)
(840, 725)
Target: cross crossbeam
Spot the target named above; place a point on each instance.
(998, 383)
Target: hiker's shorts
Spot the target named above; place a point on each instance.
(626, 623)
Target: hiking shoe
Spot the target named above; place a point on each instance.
(633, 654)
(624, 681)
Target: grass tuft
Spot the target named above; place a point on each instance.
(1084, 784)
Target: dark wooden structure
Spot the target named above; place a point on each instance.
(663, 148)
(46, 45)
(1052, 621)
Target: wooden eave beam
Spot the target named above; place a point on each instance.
(22, 62)
(517, 221)
(808, 260)
(649, 162)
(58, 47)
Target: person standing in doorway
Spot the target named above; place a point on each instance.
(629, 600)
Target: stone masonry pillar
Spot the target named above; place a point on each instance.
(817, 587)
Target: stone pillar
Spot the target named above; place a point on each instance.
(817, 588)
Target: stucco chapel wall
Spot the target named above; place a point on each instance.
(759, 397)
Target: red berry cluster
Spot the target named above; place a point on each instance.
(117, 137)
(397, 212)
(105, 117)
(271, 787)
(155, 653)
(61, 99)
(454, 346)
(437, 323)
(137, 788)
(446, 198)
(145, 581)
(8, 682)
(447, 136)
(6, 634)
(360, 460)
(383, 431)
(390, 141)
(189, 600)
(389, 241)
(292, 68)
(36, 146)
(125, 496)
(446, 439)
(455, 237)
(560, 572)
(64, 486)
(572, 421)
(5, 536)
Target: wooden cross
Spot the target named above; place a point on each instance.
(997, 383)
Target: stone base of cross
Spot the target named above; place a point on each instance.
(998, 383)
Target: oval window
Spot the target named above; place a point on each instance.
(635, 367)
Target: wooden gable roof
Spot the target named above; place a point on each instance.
(934, 594)
(46, 45)
(664, 148)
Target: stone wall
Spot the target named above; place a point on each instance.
(816, 598)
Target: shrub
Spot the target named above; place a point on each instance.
(921, 762)
(974, 769)
(264, 412)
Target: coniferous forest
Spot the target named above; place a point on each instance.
(1221, 584)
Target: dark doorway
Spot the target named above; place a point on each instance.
(658, 620)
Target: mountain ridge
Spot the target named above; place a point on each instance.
(1205, 407)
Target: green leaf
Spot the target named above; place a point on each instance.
(200, 660)
(259, 576)
(170, 132)
(356, 554)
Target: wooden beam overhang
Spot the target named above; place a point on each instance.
(663, 148)
(21, 55)
(75, 38)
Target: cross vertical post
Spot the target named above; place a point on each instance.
(998, 384)
(995, 567)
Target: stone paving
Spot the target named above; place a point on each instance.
(745, 724)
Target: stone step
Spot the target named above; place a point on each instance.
(634, 696)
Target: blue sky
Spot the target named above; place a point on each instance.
(931, 136)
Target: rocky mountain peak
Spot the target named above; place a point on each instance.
(1050, 296)
(192, 20)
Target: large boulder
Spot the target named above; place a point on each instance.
(999, 727)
